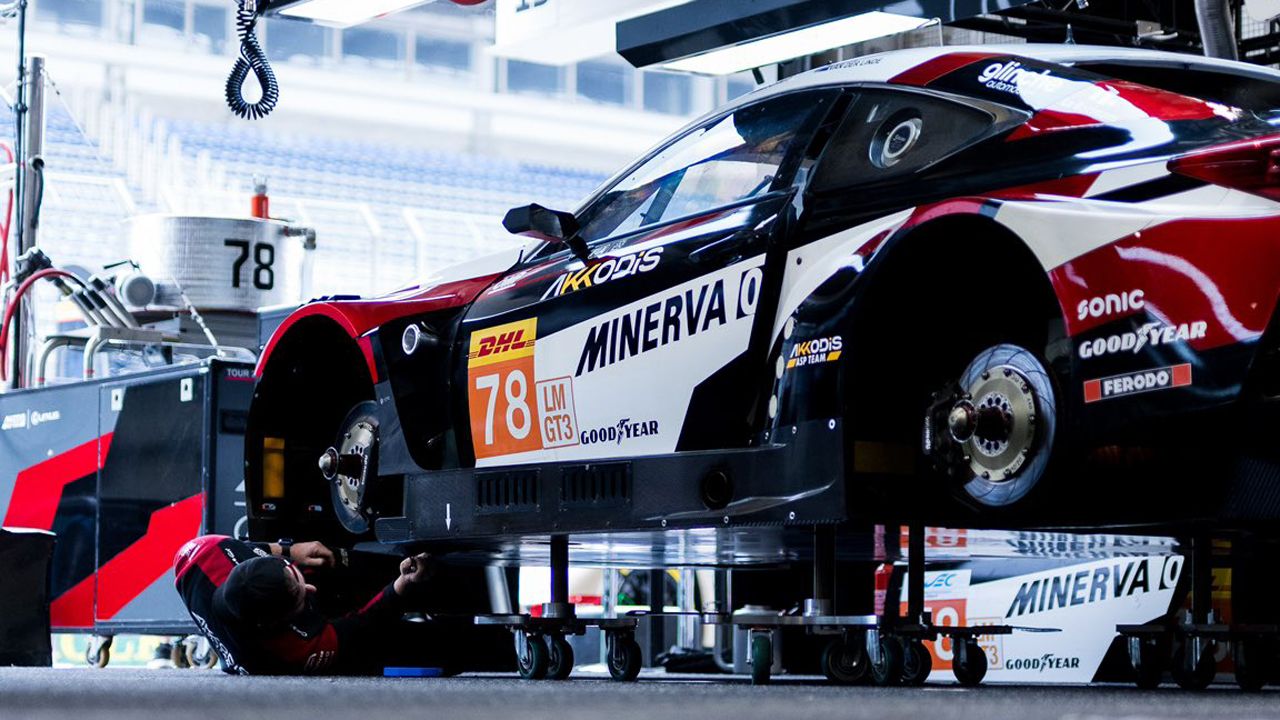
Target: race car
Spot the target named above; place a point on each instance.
(971, 285)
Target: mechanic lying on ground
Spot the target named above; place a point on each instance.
(253, 604)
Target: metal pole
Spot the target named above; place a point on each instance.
(15, 359)
(30, 167)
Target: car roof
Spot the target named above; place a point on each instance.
(884, 67)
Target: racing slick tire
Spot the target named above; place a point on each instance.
(970, 663)
(917, 663)
(994, 431)
(845, 662)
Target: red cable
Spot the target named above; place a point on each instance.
(12, 307)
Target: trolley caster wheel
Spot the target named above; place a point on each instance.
(1148, 656)
(761, 658)
(178, 654)
(1254, 659)
(531, 657)
(199, 653)
(559, 658)
(98, 654)
(970, 663)
(623, 657)
(845, 662)
(917, 663)
(886, 660)
(1190, 672)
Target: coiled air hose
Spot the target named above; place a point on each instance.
(252, 59)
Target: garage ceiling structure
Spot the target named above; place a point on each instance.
(677, 37)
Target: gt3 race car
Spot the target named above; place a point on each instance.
(954, 285)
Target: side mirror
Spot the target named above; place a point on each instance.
(554, 226)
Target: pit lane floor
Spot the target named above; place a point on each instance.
(139, 694)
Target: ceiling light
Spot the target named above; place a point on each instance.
(797, 43)
(345, 13)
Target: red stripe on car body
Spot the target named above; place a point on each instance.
(927, 72)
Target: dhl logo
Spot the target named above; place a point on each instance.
(503, 342)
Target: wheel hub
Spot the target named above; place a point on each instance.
(995, 423)
(348, 467)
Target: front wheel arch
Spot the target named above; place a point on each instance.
(315, 375)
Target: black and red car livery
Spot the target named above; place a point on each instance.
(962, 285)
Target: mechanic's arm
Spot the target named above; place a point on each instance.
(304, 554)
(351, 642)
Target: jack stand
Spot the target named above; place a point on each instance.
(1193, 643)
(824, 573)
(542, 652)
(559, 608)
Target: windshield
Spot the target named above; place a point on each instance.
(734, 158)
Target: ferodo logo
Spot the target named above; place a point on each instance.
(812, 352)
(613, 268)
(503, 342)
(1137, 382)
(1112, 304)
(1150, 334)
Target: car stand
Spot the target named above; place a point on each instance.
(883, 650)
(1188, 649)
(541, 649)
(864, 649)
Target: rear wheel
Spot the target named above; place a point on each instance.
(993, 429)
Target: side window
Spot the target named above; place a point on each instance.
(888, 135)
(733, 158)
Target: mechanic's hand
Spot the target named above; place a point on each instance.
(311, 555)
(414, 570)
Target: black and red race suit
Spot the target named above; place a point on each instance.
(309, 644)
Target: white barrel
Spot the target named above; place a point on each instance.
(221, 263)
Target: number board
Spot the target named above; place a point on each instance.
(511, 411)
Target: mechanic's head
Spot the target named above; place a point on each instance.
(264, 591)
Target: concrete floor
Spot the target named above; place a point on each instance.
(137, 694)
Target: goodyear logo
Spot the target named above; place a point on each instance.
(812, 352)
(503, 342)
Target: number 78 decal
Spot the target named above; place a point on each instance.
(505, 420)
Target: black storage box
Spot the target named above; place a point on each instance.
(25, 558)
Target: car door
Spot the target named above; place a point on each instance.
(577, 358)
